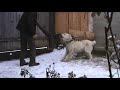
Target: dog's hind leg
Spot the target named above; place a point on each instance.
(89, 55)
(88, 50)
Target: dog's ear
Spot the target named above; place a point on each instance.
(73, 37)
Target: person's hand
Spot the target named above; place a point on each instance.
(35, 36)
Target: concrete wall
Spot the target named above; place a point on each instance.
(99, 22)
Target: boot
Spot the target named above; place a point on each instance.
(22, 63)
(33, 64)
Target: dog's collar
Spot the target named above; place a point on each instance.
(70, 41)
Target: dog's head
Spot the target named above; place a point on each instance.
(66, 37)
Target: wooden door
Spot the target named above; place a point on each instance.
(74, 23)
(61, 22)
(78, 24)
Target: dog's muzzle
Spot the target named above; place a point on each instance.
(60, 35)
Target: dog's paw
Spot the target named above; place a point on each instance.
(91, 60)
(63, 60)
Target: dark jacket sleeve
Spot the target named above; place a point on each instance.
(22, 25)
(32, 19)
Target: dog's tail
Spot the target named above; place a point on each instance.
(93, 42)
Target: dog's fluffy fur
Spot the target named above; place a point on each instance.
(74, 47)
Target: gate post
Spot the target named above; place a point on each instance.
(52, 29)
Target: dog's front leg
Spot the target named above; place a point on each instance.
(66, 53)
(68, 57)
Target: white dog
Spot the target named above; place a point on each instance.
(74, 47)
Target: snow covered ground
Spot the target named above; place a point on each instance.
(98, 68)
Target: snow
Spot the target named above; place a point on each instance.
(98, 68)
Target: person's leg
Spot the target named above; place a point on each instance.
(31, 44)
(23, 49)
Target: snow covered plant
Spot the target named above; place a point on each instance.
(83, 76)
(24, 72)
(71, 75)
(51, 73)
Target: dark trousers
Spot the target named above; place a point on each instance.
(27, 41)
